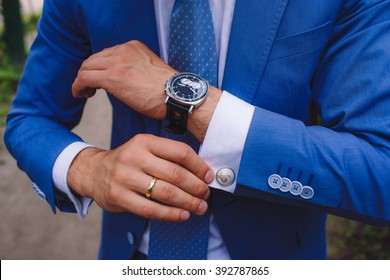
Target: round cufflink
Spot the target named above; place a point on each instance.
(225, 176)
(296, 188)
(275, 181)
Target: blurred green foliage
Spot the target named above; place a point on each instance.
(9, 78)
(356, 241)
(30, 22)
(10, 74)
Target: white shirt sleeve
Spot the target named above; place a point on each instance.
(225, 138)
(60, 172)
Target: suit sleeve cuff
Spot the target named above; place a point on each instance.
(60, 172)
(225, 138)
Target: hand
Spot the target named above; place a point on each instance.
(131, 72)
(117, 180)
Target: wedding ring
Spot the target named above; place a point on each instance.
(151, 186)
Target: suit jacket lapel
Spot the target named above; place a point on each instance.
(253, 31)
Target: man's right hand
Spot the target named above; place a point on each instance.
(118, 179)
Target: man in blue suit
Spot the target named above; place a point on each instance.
(273, 171)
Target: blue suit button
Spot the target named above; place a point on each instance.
(286, 185)
(275, 181)
(296, 188)
(38, 191)
(307, 192)
(131, 238)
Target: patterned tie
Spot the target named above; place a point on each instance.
(191, 49)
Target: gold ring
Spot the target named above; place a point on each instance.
(151, 186)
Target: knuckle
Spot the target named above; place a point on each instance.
(107, 49)
(201, 169)
(138, 143)
(133, 42)
(137, 138)
(185, 152)
(176, 174)
(136, 43)
(201, 190)
(149, 211)
(82, 75)
(173, 216)
(166, 192)
(140, 138)
(122, 47)
(192, 204)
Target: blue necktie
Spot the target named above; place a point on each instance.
(191, 49)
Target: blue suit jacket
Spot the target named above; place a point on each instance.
(296, 61)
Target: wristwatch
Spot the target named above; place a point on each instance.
(185, 91)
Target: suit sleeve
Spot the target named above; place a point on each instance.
(44, 111)
(346, 160)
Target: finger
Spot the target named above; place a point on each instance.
(89, 92)
(104, 53)
(86, 93)
(149, 209)
(183, 155)
(171, 195)
(87, 80)
(97, 63)
(177, 175)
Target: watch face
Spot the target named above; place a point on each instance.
(188, 87)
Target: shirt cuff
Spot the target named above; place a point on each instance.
(225, 138)
(60, 173)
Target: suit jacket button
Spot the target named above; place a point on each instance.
(131, 238)
(39, 192)
(307, 192)
(225, 177)
(275, 181)
(296, 188)
(286, 185)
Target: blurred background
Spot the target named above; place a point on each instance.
(28, 228)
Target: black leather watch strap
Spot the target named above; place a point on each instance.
(177, 117)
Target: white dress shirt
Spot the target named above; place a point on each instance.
(230, 123)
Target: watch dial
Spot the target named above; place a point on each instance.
(188, 87)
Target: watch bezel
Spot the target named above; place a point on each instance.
(190, 102)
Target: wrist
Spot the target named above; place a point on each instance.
(190, 103)
(81, 171)
(199, 120)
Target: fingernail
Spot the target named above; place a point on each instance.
(207, 195)
(209, 176)
(202, 207)
(185, 215)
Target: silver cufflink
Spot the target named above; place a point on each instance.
(225, 176)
